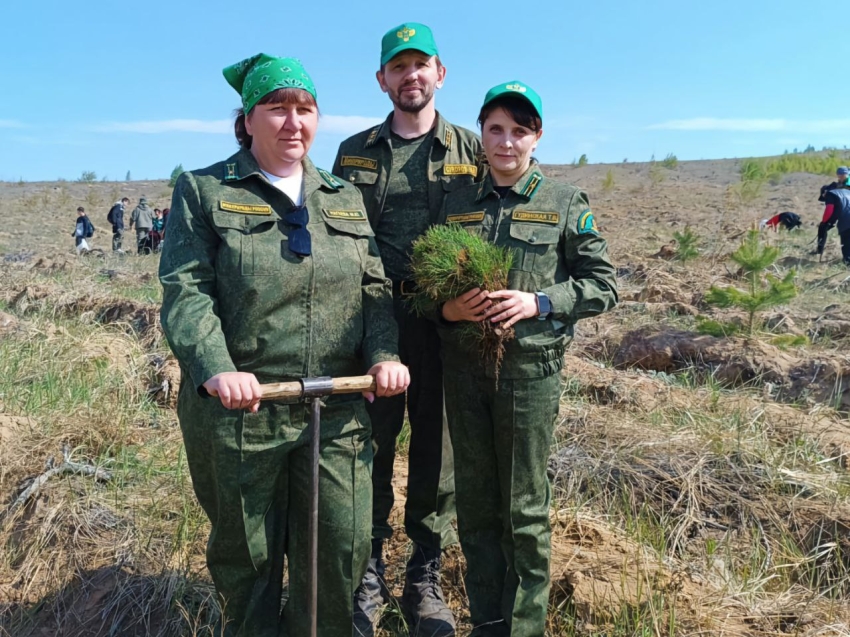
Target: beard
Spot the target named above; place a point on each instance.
(410, 104)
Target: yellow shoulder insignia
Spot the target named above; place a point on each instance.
(230, 172)
(532, 184)
(373, 136)
(332, 181)
(448, 139)
(586, 223)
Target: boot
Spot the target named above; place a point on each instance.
(372, 594)
(422, 601)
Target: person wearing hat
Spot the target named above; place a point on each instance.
(404, 167)
(271, 273)
(142, 218)
(501, 429)
(828, 221)
(836, 212)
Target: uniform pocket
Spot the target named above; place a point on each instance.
(535, 245)
(349, 241)
(252, 244)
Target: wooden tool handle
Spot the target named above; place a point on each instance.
(345, 385)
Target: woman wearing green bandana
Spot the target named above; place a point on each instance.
(501, 430)
(270, 273)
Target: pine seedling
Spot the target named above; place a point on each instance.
(686, 245)
(448, 261)
(764, 290)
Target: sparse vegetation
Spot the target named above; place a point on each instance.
(87, 177)
(670, 161)
(656, 174)
(582, 161)
(128, 177)
(608, 182)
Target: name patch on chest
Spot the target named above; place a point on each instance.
(346, 215)
(536, 217)
(466, 217)
(359, 162)
(460, 169)
(244, 208)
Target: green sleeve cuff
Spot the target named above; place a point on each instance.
(563, 300)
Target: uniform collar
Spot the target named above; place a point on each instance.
(243, 165)
(526, 186)
(443, 132)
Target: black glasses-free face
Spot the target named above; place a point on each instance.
(300, 241)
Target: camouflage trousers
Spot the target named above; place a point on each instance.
(250, 473)
(430, 507)
(502, 438)
(117, 239)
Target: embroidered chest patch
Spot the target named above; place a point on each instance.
(346, 215)
(552, 218)
(460, 169)
(244, 208)
(467, 217)
(359, 162)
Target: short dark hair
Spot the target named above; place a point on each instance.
(520, 110)
(279, 96)
(81, 209)
(127, 199)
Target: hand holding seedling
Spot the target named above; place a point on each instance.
(515, 306)
(470, 306)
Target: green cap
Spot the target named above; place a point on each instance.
(517, 89)
(257, 76)
(410, 35)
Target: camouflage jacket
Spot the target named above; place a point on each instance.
(236, 298)
(365, 160)
(557, 250)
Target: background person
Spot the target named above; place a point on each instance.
(116, 218)
(502, 431)
(142, 218)
(271, 273)
(83, 230)
(404, 167)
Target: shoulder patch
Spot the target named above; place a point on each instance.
(244, 208)
(532, 185)
(586, 223)
(345, 215)
(230, 172)
(534, 216)
(332, 181)
(460, 169)
(449, 138)
(359, 162)
(467, 217)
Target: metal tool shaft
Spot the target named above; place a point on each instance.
(313, 521)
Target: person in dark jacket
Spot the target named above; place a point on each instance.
(82, 230)
(829, 218)
(841, 176)
(837, 212)
(116, 218)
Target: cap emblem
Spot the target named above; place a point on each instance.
(519, 88)
(405, 34)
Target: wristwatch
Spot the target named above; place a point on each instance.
(544, 306)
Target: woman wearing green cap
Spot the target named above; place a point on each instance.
(270, 274)
(501, 430)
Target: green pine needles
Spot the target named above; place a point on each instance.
(763, 290)
(448, 261)
(686, 244)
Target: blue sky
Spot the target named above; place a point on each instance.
(118, 86)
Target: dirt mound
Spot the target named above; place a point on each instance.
(825, 379)
(167, 377)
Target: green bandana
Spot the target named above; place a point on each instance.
(261, 74)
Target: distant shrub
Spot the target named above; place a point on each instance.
(178, 170)
(686, 245)
(608, 182)
(656, 174)
(88, 177)
(127, 177)
(582, 161)
(671, 161)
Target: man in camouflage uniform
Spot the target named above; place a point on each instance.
(243, 295)
(404, 167)
(502, 430)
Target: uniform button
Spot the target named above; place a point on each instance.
(532, 240)
(351, 179)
